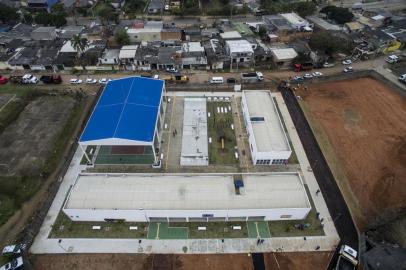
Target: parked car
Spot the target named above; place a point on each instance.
(171, 70)
(3, 80)
(317, 74)
(231, 80)
(391, 59)
(16, 263)
(91, 81)
(308, 76)
(13, 249)
(104, 80)
(156, 76)
(49, 79)
(347, 62)
(298, 78)
(29, 79)
(348, 69)
(328, 65)
(75, 81)
(402, 78)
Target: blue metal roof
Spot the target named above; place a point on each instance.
(127, 109)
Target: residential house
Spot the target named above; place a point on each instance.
(146, 57)
(155, 7)
(217, 58)
(144, 34)
(127, 56)
(297, 22)
(352, 27)
(7, 50)
(277, 24)
(19, 31)
(68, 32)
(193, 56)
(210, 33)
(322, 24)
(282, 58)
(171, 34)
(44, 33)
(230, 35)
(110, 57)
(169, 58)
(41, 4)
(241, 52)
(192, 34)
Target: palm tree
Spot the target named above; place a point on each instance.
(80, 44)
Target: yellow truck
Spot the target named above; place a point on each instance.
(175, 78)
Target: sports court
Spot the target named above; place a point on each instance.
(124, 155)
(258, 229)
(162, 230)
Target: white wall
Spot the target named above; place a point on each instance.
(255, 154)
(144, 215)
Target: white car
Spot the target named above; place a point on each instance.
(392, 59)
(156, 76)
(347, 62)
(317, 74)
(14, 264)
(402, 78)
(75, 81)
(348, 69)
(29, 79)
(104, 80)
(166, 7)
(308, 76)
(91, 81)
(13, 249)
(328, 65)
(171, 70)
(298, 78)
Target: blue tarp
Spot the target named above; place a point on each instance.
(127, 109)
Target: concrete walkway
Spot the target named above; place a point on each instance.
(43, 244)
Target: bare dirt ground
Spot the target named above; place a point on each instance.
(360, 126)
(142, 262)
(297, 260)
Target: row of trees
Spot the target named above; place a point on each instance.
(280, 6)
(338, 14)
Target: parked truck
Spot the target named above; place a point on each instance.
(51, 79)
(252, 77)
(304, 66)
(175, 78)
(347, 259)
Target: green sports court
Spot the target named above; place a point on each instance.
(124, 155)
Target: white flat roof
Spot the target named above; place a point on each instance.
(193, 192)
(284, 54)
(143, 30)
(192, 47)
(269, 134)
(230, 34)
(294, 19)
(128, 51)
(194, 138)
(240, 45)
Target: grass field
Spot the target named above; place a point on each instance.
(219, 126)
(26, 162)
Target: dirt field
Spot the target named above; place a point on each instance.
(26, 143)
(360, 125)
(297, 260)
(142, 262)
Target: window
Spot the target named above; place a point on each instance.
(278, 161)
(286, 216)
(257, 119)
(263, 162)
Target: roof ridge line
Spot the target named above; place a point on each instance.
(122, 110)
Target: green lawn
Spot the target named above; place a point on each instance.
(65, 228)
(258, 229)
(219, 126)
(287, 229)
(164, 230)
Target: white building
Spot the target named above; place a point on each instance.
(144, 34)
(266, 135)
(283, 57)
(296, 21)
(240, 51)
(194, 138)
(127, 56)
(180, 198)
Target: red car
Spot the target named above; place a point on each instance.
(3, 80)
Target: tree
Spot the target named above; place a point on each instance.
(121, 37)
(134, 6)
(262, 31)
(328, 43)
(338, 14)
(58, 8)
(58, 20)
(44, 18)
(106, 13)
(8, 14)
(305, 8)
(79, 43)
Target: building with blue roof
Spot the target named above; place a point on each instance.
(126, 122)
